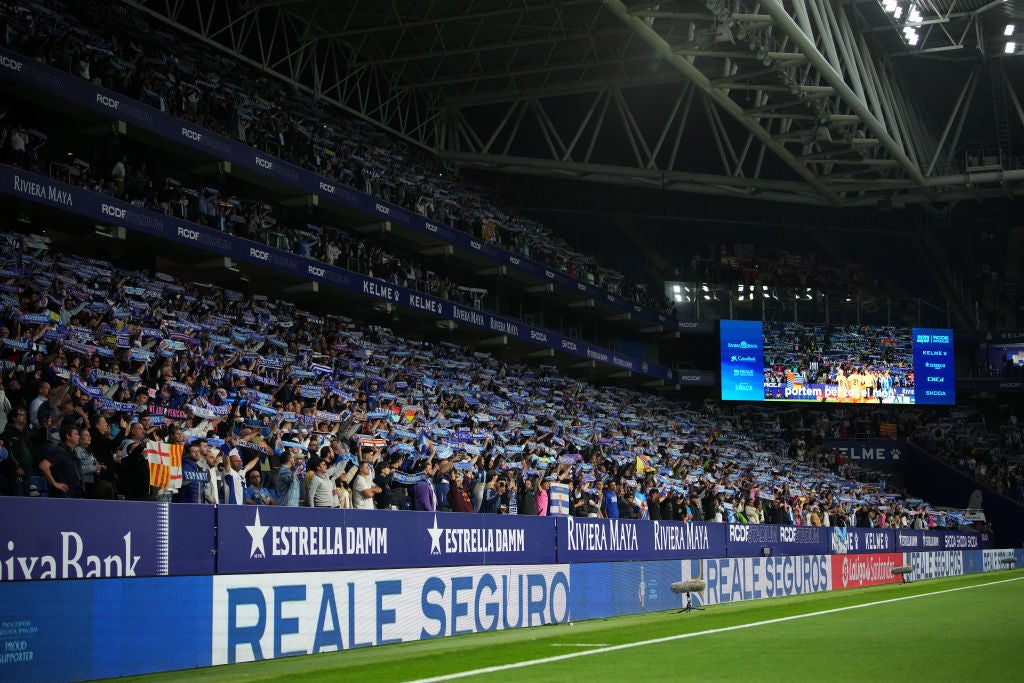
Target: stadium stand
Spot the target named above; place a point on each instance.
(190, 83)
(244, 396)
(187, 85)
(246, 385)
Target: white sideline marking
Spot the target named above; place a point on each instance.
(681, 636)
(579, 645)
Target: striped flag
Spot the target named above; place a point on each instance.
(558, 500)
(164, 464)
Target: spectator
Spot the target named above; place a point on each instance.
(195, 479)
(235, 475)
(91, 469)
(542, 496)
(61, 467)
(527, 504)
(610, 504)
(363, 488)
(320, 491)
(424, 497)
(255, 492)
(287, 483)
(19, 463)
(458, 498)
(133, 465)
(382, 480)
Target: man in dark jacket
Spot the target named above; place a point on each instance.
(62, 468)
(696, 509)
(19, 461)
(527, 497)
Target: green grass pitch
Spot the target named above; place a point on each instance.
(961, 629)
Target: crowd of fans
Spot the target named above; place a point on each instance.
(989, 448)
(102, 44)
(276, 405)
(131, 180)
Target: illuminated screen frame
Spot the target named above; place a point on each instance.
(846, 364)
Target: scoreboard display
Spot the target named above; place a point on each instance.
(836, 363)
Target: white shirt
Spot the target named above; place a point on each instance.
(33, 410)
(213, 490)
(360, 501)
(18, 140)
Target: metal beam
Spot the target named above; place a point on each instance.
(856, 104)
(515, 8)
(685, 67)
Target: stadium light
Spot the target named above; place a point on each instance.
(679, 298)
(676, 289)
(907, 18)
(1010, 48)
(1008, 31)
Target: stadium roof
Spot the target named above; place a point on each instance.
(833, 103)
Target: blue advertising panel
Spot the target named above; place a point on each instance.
(909, 540)
(974, 561)
(118, 106)
(582, 539)
(256, 539)
(742, 360)
(995, 560)
(753, 578)
(935, 376)
(80, 539)
(869, 452)
(856, 540)
(82, 630)
(932, 540)
(753, 540)
(611, 589)
(961, 540)
(266, 616)
(42, 190)
(935, 565)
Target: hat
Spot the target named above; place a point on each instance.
(550, 478)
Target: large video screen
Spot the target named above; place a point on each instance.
(836, 363)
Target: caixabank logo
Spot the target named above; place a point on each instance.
(62, 543)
